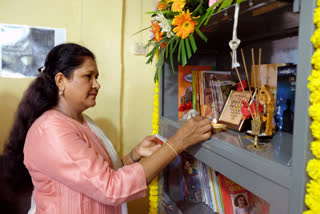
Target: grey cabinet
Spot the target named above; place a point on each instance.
(277, 174)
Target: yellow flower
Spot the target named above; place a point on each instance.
(315, 148)
(312, 204)
(315, 39)
(314, 81)
(315, 128)
(313, 188)
(313, 169)
(314, 111)
(315, 60)
(316, 18)
(314, 98)
(178, 5)
(313, 197)
(185, 25)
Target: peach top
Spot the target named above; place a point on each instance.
(72, 172)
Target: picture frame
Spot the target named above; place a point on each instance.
(231, 112)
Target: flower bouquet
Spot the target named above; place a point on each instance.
(173, 24)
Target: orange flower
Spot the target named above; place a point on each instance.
(178, 5)
(185, 25)
(158, 35)
(162, 5)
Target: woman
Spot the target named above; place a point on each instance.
(71, 170)
(241, 204)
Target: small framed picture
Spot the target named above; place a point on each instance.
(231, 112)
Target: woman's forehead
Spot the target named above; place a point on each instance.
(89, 64)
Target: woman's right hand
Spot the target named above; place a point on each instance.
(195, 130)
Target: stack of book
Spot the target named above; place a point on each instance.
(189, 181)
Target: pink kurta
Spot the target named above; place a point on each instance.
(72, 172)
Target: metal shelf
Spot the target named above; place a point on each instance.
(255, 171)
(278, 174)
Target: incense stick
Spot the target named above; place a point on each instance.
(245, 69)
(258, 101)
(254, 77)
(238, 75)
(242, 85)
(259, 56)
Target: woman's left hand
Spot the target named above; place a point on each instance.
(146, 147)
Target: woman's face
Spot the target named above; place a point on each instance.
(82, 88)
(242, 202)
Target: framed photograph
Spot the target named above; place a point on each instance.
(231, 112)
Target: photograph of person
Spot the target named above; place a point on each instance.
(241, 204)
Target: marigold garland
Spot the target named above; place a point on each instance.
(312, 197)
(153, 186)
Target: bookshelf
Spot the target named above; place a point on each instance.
(278, 174)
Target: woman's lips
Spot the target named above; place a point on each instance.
(93, 94)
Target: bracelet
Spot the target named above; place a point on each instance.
(132, 158)
(171, 148)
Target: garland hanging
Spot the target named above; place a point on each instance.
(153, 186)
(312, 197)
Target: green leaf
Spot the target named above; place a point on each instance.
(177, 42)
(166, 50)
(156, 76)
(209, 12)
(193, 43)
(160, 65)
(240, 1)
(179, 50)
(167, 46)
(204, 17)
(225, 4)
(141, 30)
(151, 12)
(202, 36)
(157, 45)
(189, 53)
(171, 56)
(183, 53)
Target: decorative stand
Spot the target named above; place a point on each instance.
(256, 130)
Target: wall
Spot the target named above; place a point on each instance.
(34, 13)
(124, 103)
(86, 22)
(138, 84)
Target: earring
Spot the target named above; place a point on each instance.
(61, 92)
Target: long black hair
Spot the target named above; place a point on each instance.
(41, 96)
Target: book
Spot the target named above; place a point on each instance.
(257, 205)
(286, 86)
(217, 193)
(190, 179)
(216, 86)
(185, 84)
(238, 200)
(213, 199)
(234, 197)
